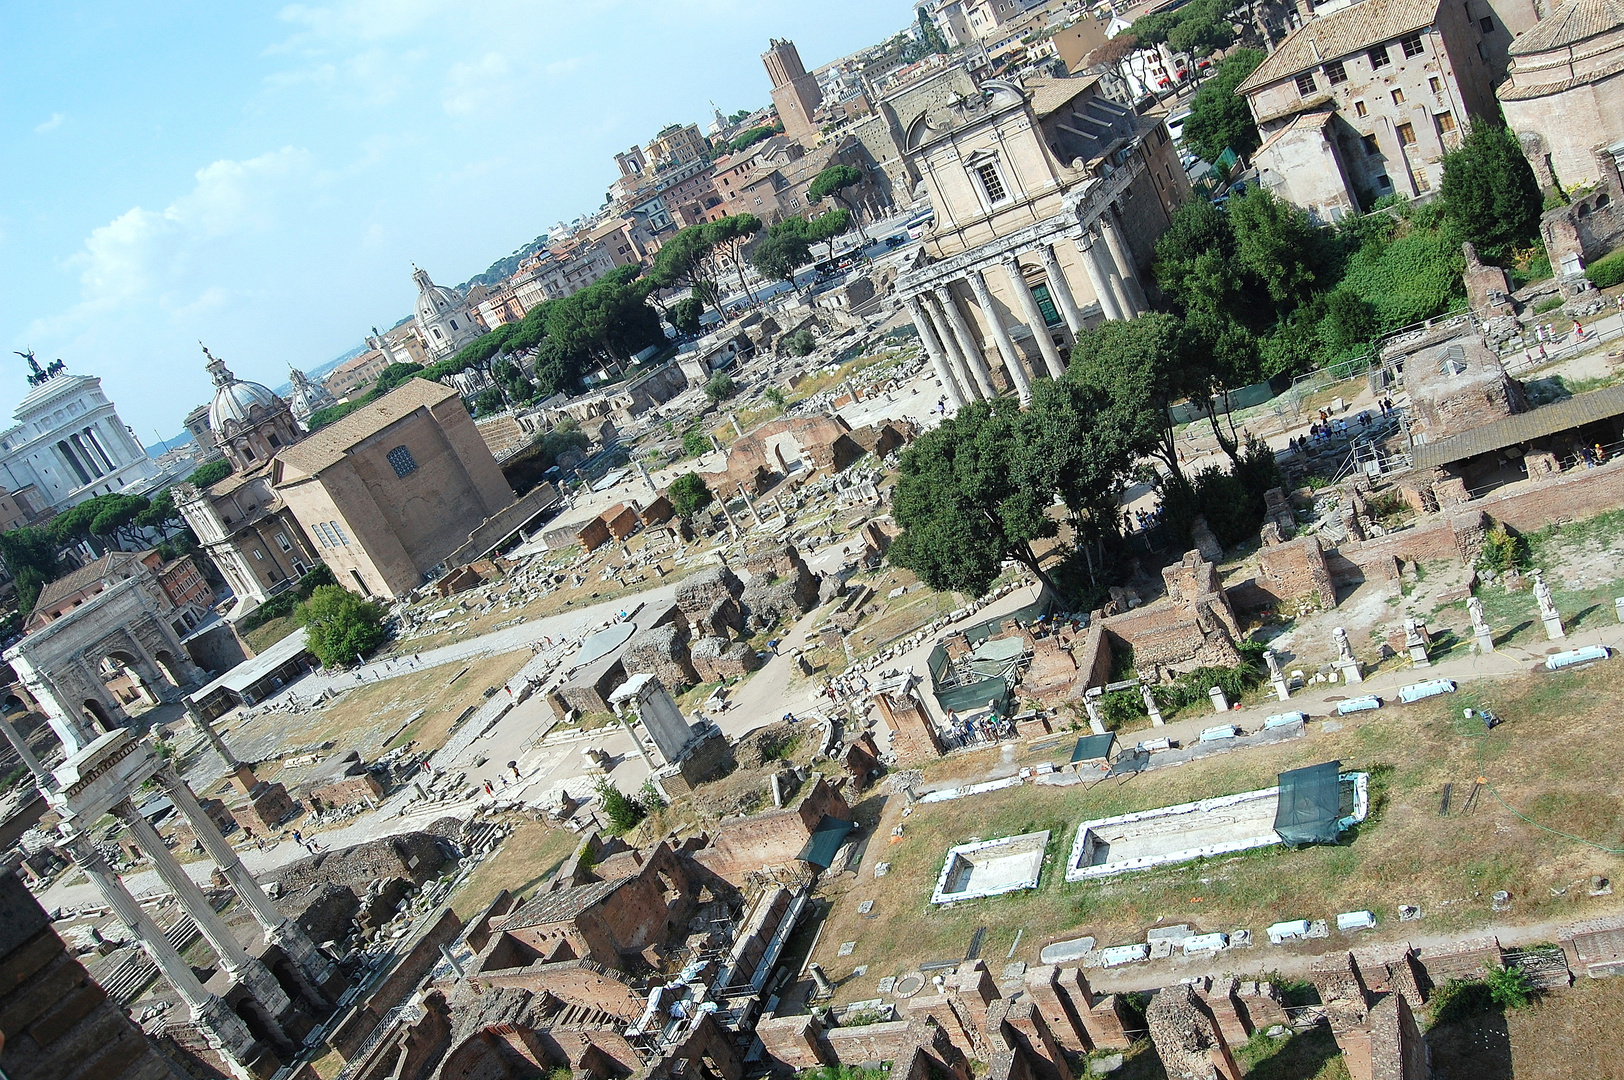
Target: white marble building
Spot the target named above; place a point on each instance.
(69, 443)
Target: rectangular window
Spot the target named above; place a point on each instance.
(1398, 97)
(1336, 72)
(400, 459)
(1378, 57)
(1412, 45)
(1486, 24)
(1446, 123)
(1371, 149)
(991, 183)
(1406, 134)
(1305, 83)
(1383, 182)
(282, 542)
(1421, 181)
(342, 539)
(1435, 85)
(259, 555)
(1359, 108)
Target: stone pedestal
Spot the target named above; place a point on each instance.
(1281, 690)
(1220, 703)
(1150, 706)
(1553, 628)
(1352, 671)
(1095, 723)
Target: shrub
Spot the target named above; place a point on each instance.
(1550, 303)
(774, 396)
(1605, 273)
(802, 342)
(719, 387)
(340, 625)
(210, 474)
(694, 442)
(1503, 550)
(623, 811)
(689, 493)
(1510, 987)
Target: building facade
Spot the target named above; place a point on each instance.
(68, 443)
(795, 91)
(1364, 101)
(394, 488)
(1564, 96)
(306, 397)
(1048, 201)
(443, 319)
(241, 521)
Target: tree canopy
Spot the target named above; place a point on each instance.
(1200, 27)
(339, 625)
(208, 475)
(834, 182)
(689, 494)
(1489, 191)
(1219, 118)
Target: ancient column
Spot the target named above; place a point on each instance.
(1095, 723)
(206, 729)
(242, 967)
(1060, 290)
(933, 349)
(1096, 277)
(42, 776)
(1118, 245)
(1000, 336)
(967, 342)
(223, 1028)
(1034, 317)
(950, 345)
(282, 932)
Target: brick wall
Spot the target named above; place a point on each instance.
(773, 838)
(1296, 571)
(363, 790)
(58, 1024)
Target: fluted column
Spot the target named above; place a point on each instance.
(1123, 257)
(950, 345)
(223, 1028)
(933, 349)
(280, 931)
(242, 967)
(967, 342)
(1034, 318)
(1061, 290)
(1000, 336)
(1097, 279)
(42, 776)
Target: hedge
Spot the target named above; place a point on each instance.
(1605, 273)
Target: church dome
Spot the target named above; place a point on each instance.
(235, 399)
(433, 301)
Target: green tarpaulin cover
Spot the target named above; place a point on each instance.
(1093, 747)
(1309, 805)
(825, 841)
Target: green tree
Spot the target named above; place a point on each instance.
(392, 376)
(719, 387)
(1137, 367)
(116, 518)
(685, 261)
(1070, 443)
(1490, 193)
(1278, 245)
(685, 314)
(208, 475)
(31, 555)
(750, 137)
(785, 249)
(1219, 118)
(960, 505)
(694, 442)
(775, 397)
(689, 494)
(835, 182)
(488, 402)
(623, 811)
(929, 36)
(339, 625)
(728, 238)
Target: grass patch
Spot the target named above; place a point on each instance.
(265, 635)
(531, 855)
(1559, 736)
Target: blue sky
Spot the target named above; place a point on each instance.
(262, 177)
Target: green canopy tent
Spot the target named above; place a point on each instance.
(1310, 805)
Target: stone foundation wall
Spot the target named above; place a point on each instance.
(1296, 571)
(661, 651)
(361, 790)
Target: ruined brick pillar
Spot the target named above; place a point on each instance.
(1023, 1026)
(1187, 1039)
(1397, 1050)
(1226, 1011)
(1262, 1005)
(795, 1041)
(1100, 1016)
(1042, 985)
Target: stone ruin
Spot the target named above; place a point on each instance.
(782, 587)
(1187, 1038)
(662, 651)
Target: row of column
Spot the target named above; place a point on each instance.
(958, 361)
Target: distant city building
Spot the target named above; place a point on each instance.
(795, 92)
(306, 397)
(68, 443)
(197, 425)
(444, 321)
(241, 521)
(393, 489)
(676, 144)
(776, 185)
(1364, 100)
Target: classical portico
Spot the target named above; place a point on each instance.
(1048, 199)
(1024, 266)
(263, 1014)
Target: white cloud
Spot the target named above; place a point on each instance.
(567, 66)
(168, 255)
(469, 86)
(51, 124)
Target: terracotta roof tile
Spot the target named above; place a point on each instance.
(329, 444)
(1330, 37)
(1570, 24)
